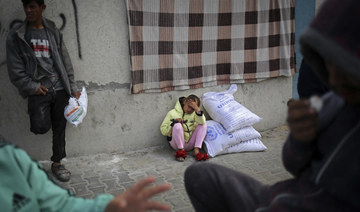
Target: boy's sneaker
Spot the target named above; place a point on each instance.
(60, 172)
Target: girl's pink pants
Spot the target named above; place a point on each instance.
(196, 140)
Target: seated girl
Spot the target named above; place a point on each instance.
(185, 127)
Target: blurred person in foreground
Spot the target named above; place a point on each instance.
(309, 83)
(25, 186)
(321, 151)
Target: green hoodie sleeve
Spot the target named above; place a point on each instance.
(200, 119)
(26, 178)
(165, 127)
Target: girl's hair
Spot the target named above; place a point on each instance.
(39, 2)
(194, 98)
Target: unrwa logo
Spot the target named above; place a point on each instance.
(211, 134)
(224, 103)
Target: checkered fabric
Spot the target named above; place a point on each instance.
(187, 44)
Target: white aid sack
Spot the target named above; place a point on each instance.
(217, 140)
(76, 110)
(253, 145)
(222, 108)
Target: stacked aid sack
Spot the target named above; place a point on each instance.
(231, 129)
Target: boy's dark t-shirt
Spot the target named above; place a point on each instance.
(46, 74)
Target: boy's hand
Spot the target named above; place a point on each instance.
(137, 198)
(302, 120)
(42, 90)
(76, 94)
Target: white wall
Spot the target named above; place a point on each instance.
(117, 121)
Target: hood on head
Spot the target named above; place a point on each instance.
(180, 104)
(334, 35)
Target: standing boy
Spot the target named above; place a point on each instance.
(40, 67)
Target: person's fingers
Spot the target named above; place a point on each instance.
(305, 135)
(301, 115)
(42, 92)
(137, 187)
(121, 203)
(303, 125)
(293, 104)
(149, 192)
(300, 111)
(44, 88)
(152, 205)
(117, 204)
(290, 100)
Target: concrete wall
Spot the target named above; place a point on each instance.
(96, 35)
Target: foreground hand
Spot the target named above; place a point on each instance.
(76, 94)
(302, 120)
(41, 91)
(137, 198)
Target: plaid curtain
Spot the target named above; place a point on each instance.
(186, 44)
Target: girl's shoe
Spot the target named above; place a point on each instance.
(180, 155)
(201, 156)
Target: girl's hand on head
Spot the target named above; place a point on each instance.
(194, 106)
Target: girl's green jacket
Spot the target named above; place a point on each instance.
(191, 121)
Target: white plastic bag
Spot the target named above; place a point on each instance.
(217, 141)
(76, 110)
(222, 107)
